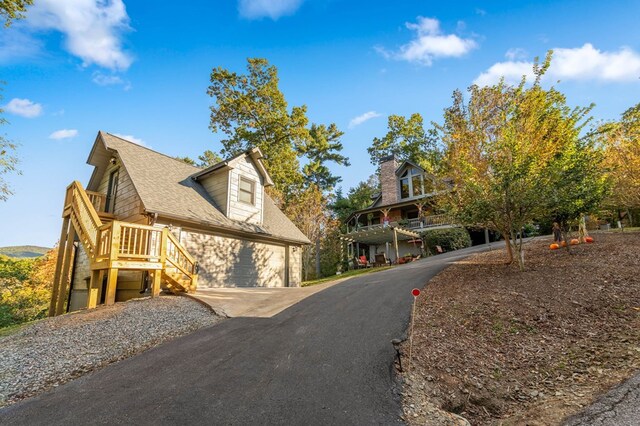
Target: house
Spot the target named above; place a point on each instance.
(398, 216)
(147, 222)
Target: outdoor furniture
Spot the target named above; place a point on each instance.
(360, 262)
(381, 260)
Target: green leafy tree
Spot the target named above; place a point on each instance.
(252, 112)
(407, 139)
(208, 159)
(621, 141)
(25, 288)
(13, 9)
(322, 146)
(503, 149)
(580, 183)
(359, 197)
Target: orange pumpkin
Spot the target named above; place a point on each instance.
(554, 246)
(589, 240)
(563, 244)
(575, 242)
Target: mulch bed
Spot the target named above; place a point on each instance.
(500, 346)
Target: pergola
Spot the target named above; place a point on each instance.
(381, 234)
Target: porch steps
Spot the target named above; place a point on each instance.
(113, 245)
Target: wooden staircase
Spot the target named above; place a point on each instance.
(113, 245)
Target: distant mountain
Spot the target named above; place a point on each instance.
(23, 251)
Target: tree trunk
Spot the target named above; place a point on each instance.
(519, 253)
(509, 250)
(318, 257)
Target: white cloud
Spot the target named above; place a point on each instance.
(430, 43)
(516, 53)
(93, 29)
(63, 134)
(16, 44)
(274, 9)
(131, 138)
(580, 63)
(356, 121)
(106, 80)
(24, 108)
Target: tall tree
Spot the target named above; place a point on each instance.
(407, 139)
(358, 198)
(309, 214)
(501, 152)
(252, 112)
(13, 9)
(580, 182)
(207, 159)
(622, 157)
(322, 146)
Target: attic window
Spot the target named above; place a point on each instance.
(247, 191)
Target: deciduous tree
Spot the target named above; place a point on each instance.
(502, 149)
(407, 139)
(13, 9)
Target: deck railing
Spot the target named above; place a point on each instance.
(84, 214)
(413, 224)
(98, 200)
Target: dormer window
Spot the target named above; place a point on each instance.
(412, 183)
(247, 191)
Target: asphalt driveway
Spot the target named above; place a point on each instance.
(325, 360)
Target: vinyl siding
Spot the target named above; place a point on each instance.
(237, 209)
(217, 185)
(128, 204)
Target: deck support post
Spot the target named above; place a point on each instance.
(112, 284)
(157, 279)
(66, 269)
(56, 278)
(92, 291)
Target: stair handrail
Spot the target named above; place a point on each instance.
(86, 215)
(188, 264)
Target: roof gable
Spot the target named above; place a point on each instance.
(166, 186)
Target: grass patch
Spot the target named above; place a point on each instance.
(348, 274)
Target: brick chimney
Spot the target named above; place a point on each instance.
(388, 182)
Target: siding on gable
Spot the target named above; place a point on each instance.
(237, 209)
(128, 204)
(217, 185)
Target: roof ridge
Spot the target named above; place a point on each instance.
(152, 150)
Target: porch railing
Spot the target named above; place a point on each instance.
(425, 222)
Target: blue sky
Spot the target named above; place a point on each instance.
(74, 67)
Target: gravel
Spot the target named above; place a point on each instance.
(48, 353)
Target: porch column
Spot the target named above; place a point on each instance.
(357, 249)
(395, 243)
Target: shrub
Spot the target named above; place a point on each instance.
(448, 238)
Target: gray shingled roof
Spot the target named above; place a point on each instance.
(165, 186)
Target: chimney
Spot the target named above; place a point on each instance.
(388, 181)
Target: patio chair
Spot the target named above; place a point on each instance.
(381, 260)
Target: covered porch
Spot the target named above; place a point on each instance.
(395, 241)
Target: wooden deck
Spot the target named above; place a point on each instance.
(114, 245)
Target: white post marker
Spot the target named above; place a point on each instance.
(415, 292)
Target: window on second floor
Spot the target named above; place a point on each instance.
(247, 191)
(412, 183)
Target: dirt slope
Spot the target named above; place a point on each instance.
(503, 347)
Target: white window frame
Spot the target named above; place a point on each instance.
(252, 193)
